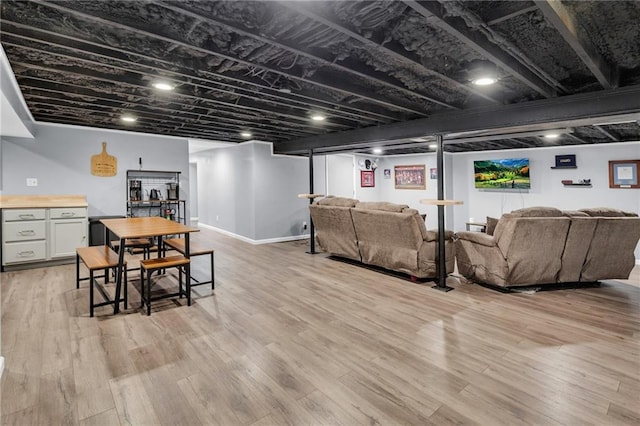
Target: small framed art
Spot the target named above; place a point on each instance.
(367, 178)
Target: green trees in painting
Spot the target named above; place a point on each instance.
(502, 174)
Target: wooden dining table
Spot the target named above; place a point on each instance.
(142, 227)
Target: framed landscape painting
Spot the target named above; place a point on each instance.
(410, 177)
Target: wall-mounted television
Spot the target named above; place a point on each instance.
(509, 173)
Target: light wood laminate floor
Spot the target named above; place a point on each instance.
(290, 338)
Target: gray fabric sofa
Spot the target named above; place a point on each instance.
(392, 236)
(544, 245)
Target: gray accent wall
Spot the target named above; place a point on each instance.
(60, 158)
(247, 191)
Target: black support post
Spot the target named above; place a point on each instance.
(442, 265)
(312, 237)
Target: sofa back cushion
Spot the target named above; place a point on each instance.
(337, 201)
(576, 247)
(532, 247)
(611, 253)
(334, 230)
(389, 239)
(381, 205)
(537, 211)
(607, 212)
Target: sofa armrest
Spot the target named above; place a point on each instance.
(432, 235)
(477, 238)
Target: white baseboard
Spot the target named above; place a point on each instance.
(1, 365)
(255, 242)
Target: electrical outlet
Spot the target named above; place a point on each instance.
(32, 182)
(304, 226)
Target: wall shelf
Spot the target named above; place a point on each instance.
(564, 167)
(585, 185)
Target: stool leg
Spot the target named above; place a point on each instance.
(213, 273)
(180, 280)
(149, 292)
(77, 270)
(106, 275)
(91, 283)
(188, 282)
(142, 271)
(126, 284)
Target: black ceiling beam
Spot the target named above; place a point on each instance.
(390, 48)
(606, 133)
(46, 95)
(310, 100)
(96, 76)
(457, 28)
(570, 29)
(329, 85)
(327, 60)
(140, 129)
(545, 114)
(500, 16)
(36, 105)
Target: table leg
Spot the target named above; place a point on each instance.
(187, 249)
(116, 302)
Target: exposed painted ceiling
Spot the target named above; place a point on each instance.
(266, 67)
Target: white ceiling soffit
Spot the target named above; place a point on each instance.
(197, 145)
(10, 123)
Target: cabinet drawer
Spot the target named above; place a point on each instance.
(24, 231)
(67, 213)
(28, 251)
(11, 215)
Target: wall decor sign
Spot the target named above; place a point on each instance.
(367, 178)
(568, 161)
(624, 173)
(103, 164)
(387, 173)
(410, 177)
(433, 173)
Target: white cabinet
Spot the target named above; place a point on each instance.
(43, 234)
(67, 231)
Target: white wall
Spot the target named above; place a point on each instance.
(248, 192)
(60, 158)
(340, 175)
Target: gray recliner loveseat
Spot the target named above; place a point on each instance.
(392, 236)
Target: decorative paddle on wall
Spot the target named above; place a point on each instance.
(103, 164)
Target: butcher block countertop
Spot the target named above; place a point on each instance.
(41, 201)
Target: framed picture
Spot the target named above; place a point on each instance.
(367, 178)
(410, 177)
(387, 173)
(433, 173)
(624, 173)
(566, 161)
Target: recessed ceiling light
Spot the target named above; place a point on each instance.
(318, 117)
(128, 119)
(377, 150)
(246, 134)
(484, 81)
(162, 85)
(552, 136)
(433, 146)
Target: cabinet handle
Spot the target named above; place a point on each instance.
(26, 216)
(67, 214)
(27, 232)
(27, 253)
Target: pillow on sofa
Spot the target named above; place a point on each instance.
(537, 212)
(607, 212)
(337, 202)
(381, 205)
(491, 225)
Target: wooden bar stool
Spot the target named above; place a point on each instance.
(98, 258)
(135, 243)
(148, 266)
(195, 249)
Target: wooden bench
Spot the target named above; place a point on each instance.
(195, 249)
(97, 258)
(148, 266)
